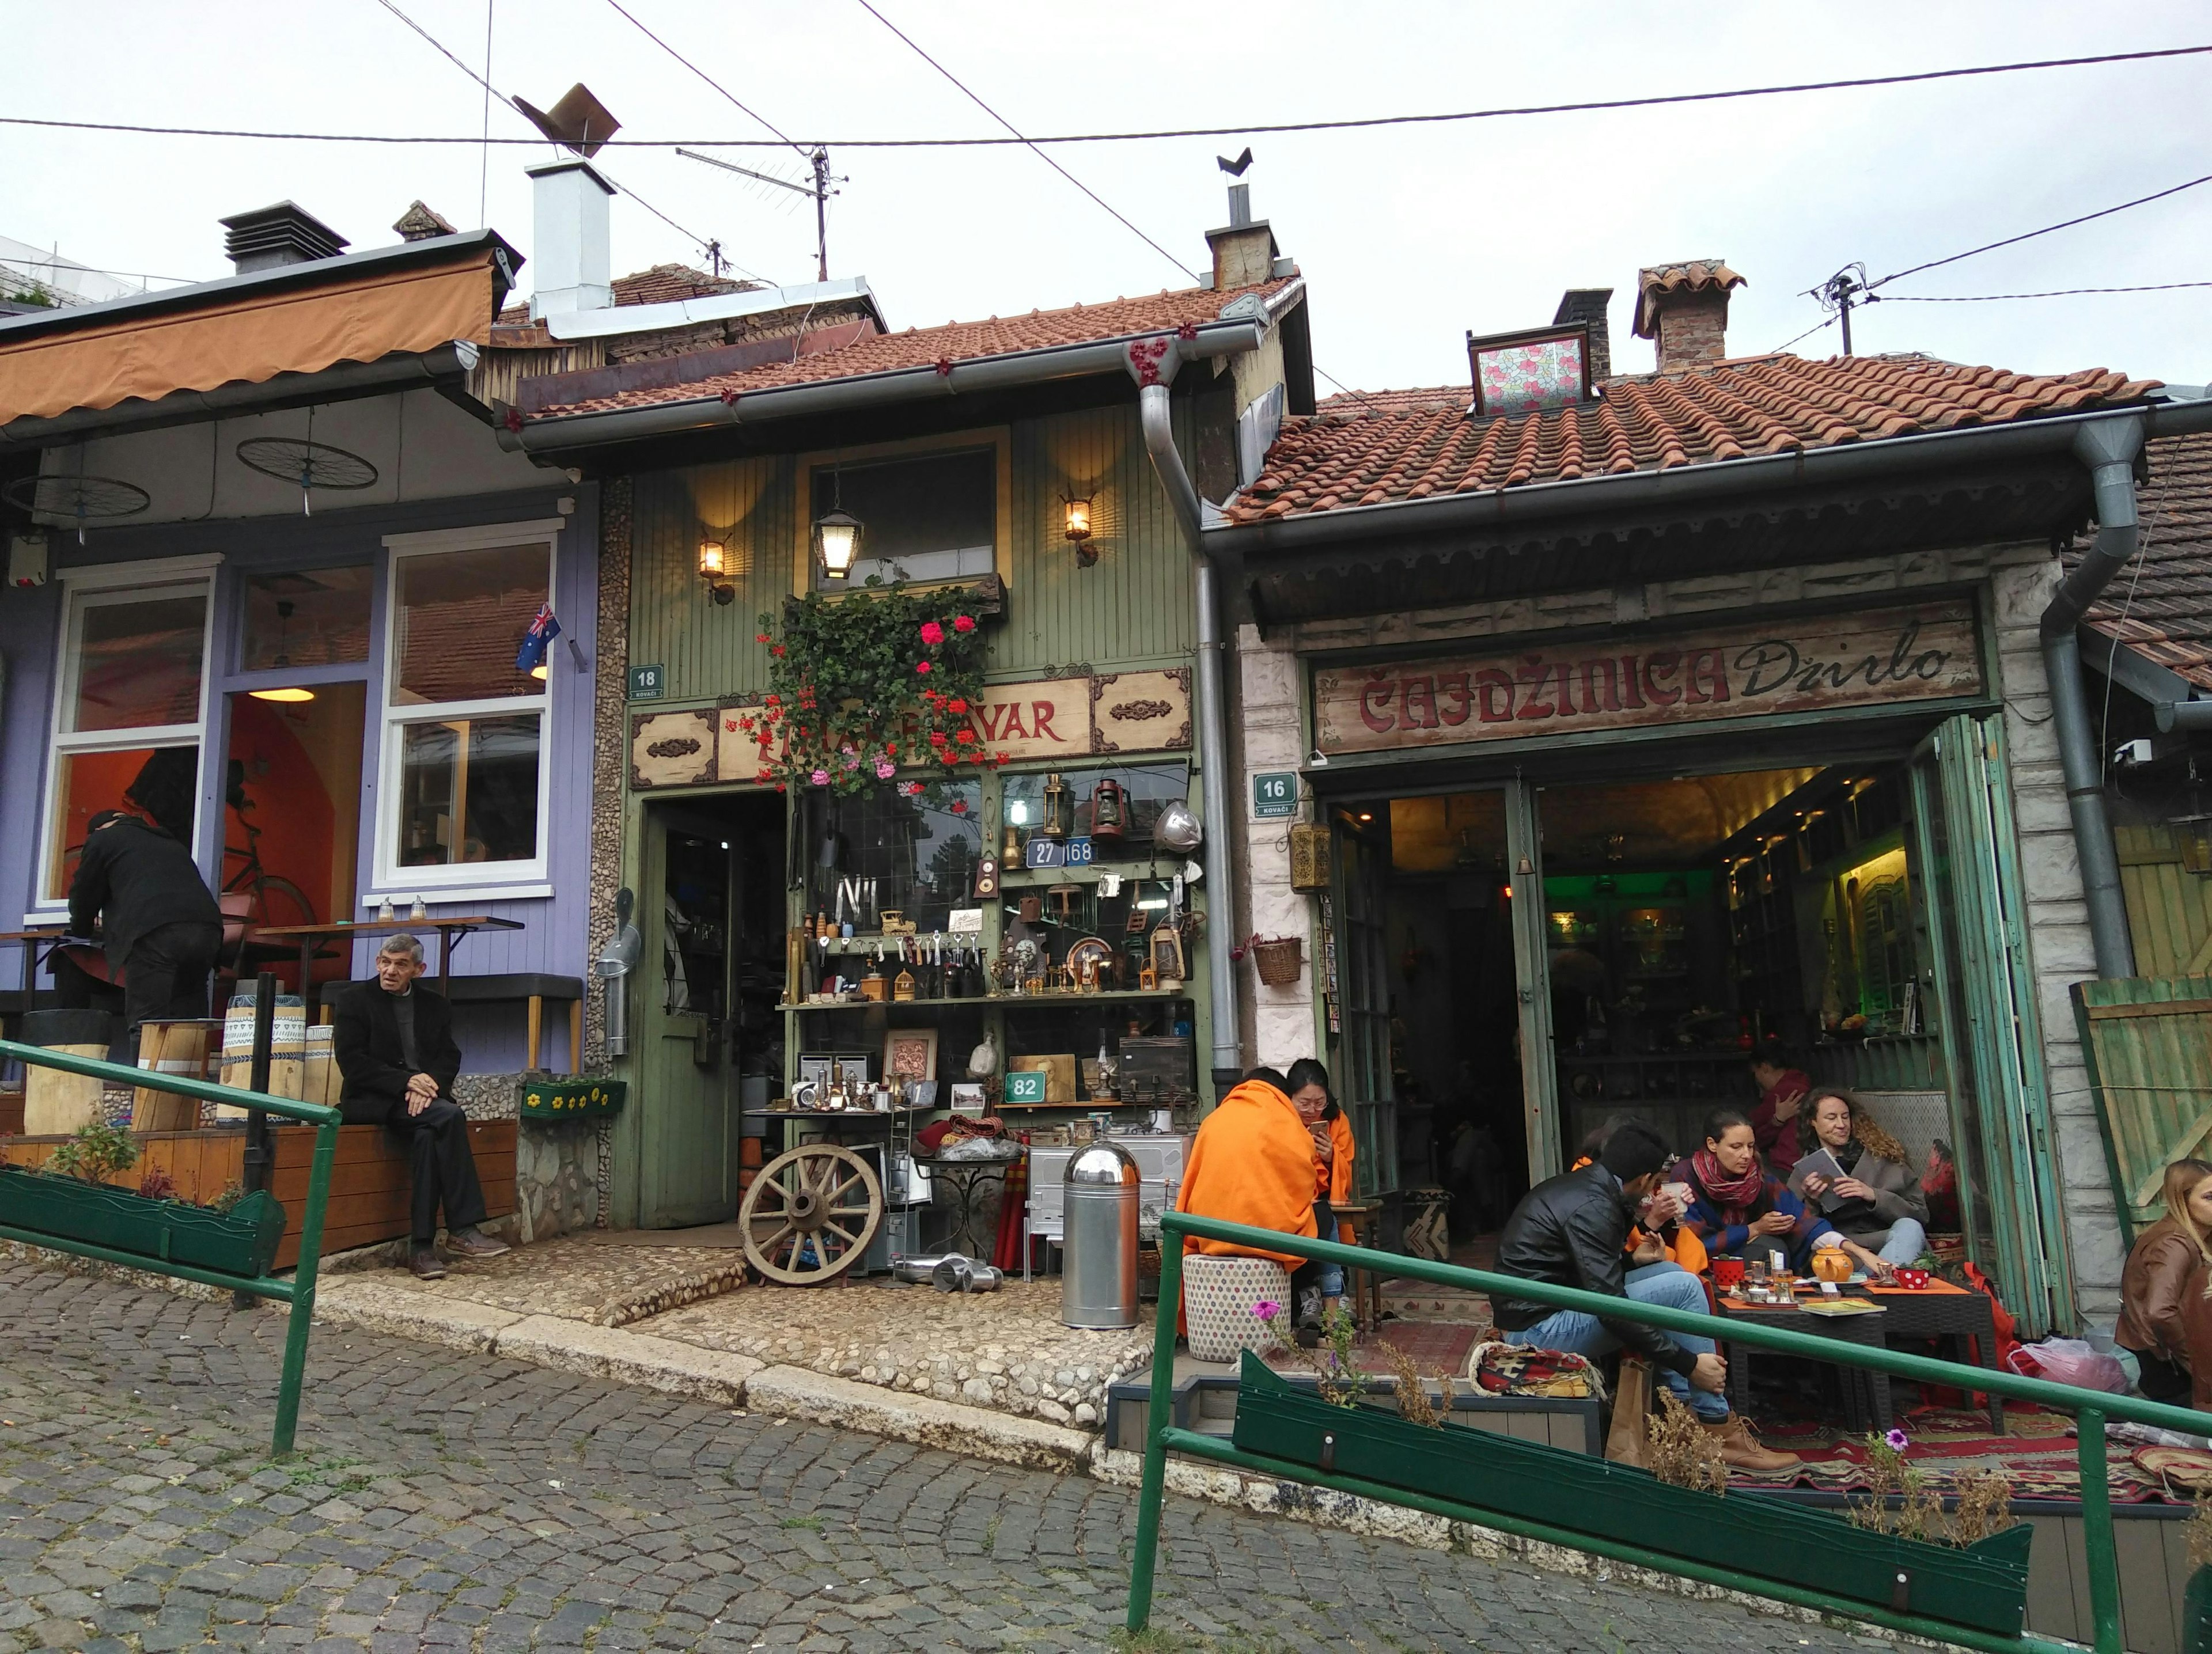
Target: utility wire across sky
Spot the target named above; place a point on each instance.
(1250, 128)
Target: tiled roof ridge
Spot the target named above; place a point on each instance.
(1746, 408)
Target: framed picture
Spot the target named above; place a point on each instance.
(1167, 954)
(910, 1054)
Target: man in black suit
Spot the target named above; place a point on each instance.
(394, 1045)
(139, 890)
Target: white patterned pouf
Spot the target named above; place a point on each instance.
(1217, 1297)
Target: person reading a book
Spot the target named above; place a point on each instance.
(1737, 1205)
(1857, 1178)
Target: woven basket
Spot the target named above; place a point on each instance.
(1279, 959)
(1218, 1296)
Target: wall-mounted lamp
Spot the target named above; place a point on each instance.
(837, 543)
(1079, 529)
(715, 569)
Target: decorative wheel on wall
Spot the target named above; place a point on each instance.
(80, 498)
(811, 1214)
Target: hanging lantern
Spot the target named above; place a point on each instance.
(837, 543)
(1079, 529)
(715, 570)
(1109, 812)
(1056, 807)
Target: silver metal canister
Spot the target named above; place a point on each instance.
(1099, 1264)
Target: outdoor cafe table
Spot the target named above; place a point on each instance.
(450, 930)
(32, 958)
(1938, 1310)
(1866, 1395)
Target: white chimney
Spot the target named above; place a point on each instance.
(571, 259)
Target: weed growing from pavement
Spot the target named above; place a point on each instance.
(811, 1523)
(991, 1531)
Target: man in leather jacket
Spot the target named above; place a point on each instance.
(1569, 1231)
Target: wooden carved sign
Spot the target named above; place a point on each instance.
(672, 750)
(1811, 665)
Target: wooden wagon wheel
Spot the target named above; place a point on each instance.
(811, 1214)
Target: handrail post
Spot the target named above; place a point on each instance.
(1152, 1491)
(296, 1329)
(254, 1170)
(2097, 1540)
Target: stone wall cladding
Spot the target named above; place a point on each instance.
(610, 792)
(1270, 691)
(556, 1178)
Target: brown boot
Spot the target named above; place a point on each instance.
(1740, 1449)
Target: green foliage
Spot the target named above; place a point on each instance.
(96, 1153)
(864, 685)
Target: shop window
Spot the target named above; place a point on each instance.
(931, 518)
(465, 728)
(905, 847)
(312, 617)
(127, 720)
(1145, 790)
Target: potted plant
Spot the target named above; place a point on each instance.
(71, 1198)
(1983, 1585)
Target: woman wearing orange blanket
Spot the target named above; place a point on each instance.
(1253, 1162)
(1325, 1122)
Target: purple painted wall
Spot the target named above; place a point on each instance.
(553, 939)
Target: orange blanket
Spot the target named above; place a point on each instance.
(1340, 1167)
(1252, 1162)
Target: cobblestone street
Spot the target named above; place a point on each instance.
(450, 1501)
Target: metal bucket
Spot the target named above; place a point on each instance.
(1099, 1265)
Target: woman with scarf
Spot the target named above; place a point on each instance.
(1877, 1202)
(1737, 1205)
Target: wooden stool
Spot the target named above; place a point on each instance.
(1355, 1228)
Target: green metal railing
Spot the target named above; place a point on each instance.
(2092, 1409)
(298, 1292)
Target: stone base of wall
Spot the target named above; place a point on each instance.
(561, 1166)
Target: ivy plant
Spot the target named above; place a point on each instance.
(863, 686)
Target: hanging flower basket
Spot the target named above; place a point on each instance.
(241, 1241)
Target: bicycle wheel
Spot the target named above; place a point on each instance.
(278, 901)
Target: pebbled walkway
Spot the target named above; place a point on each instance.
(444, 1500)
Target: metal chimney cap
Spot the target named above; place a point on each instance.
(1106, 1165)
(282, 233)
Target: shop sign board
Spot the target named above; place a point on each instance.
(1807, 666)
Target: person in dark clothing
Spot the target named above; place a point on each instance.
(393, 1043)
(138, 889)
(1569, 1231)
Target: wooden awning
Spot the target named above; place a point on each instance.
(250, 337)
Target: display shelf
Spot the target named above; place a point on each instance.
(1011, 1002)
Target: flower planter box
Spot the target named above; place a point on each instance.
(573, 1099)
(241, 1242)
(1983, 1586)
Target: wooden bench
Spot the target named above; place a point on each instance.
(533, 988)
(369, 1182)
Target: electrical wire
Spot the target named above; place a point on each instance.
(730, 96)
(1991, 298)
(2065, 224)
(1657, 100)
(1806, 334)
(492, 91)
(972, 97)
(483, 166)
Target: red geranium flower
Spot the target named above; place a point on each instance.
(966, 736)
(1003, 759)
(778, 650)
(760, 636)
(964, 623)
(932, 634)
(960, 806)
(956, 704)
(921, 666)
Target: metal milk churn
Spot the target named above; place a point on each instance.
(1098, 1268)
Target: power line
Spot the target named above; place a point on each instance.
(1829, 321)
(2055, 293)
(492, 91)
(1657, 100)
(868, 8)
(728, 95)
(2065, 224)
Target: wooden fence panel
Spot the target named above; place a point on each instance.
(2148, 1044)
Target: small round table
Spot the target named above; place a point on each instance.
(965, 1190)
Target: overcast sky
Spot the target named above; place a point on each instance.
(1409, 236)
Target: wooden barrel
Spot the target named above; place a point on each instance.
(176, 1047)
(55, 1104)
(287, 1054)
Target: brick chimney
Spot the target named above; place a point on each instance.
(269, 238)
(419, 223)
(1586, 305)
(1684, 307)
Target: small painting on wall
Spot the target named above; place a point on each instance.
(910, 1054)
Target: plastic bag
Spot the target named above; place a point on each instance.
(2069, 1361)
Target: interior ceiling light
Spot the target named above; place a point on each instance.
(289, 696)
(284, 658)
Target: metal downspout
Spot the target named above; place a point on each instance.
(1213, 743)
(2109, 448)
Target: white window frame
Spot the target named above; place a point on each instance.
(449, 882)
(102, 585)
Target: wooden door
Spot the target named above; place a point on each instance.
(686, 1091)
(1361, 1060)
(1993, 1036)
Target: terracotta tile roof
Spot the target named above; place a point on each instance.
(1728, 410)
(2161, 606)
(955, 342)
(662, 284)
(1424, 399)
(1691, 275)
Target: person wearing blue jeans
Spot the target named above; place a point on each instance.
(1877, 1202)
(1572, 1230)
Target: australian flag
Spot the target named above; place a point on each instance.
(537, 640)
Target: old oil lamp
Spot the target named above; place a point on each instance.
(1054, 825)
(1109, 812)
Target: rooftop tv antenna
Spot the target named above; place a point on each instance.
(1847, 287)
(820, 192)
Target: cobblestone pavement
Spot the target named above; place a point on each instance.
(452, 1502)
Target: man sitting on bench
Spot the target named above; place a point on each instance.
(394, 1045)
